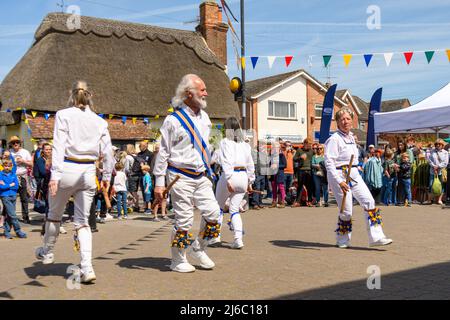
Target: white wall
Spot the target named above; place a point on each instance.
(292, 91)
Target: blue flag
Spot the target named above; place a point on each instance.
(327, 114)
(375, 106)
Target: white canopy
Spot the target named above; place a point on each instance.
(430, 115)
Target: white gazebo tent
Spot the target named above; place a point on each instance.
(431, 115)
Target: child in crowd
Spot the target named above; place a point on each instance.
(404, 177)
(148, 187)
(389, 174)
(120, 187)
(9, 184)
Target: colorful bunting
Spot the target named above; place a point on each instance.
(156, 117)
(29, 131)
(46, 116)
(8, 110)
(18, 108)
(34, 114)
(101, 115)
(326, 60)
(243, 62)
(124, 119)
(288, 60)
(254, 61)
(408, 56)
(26, 120)
(429, 55)
(170, 110)
(347, 58)
(448, 55)
(110, 116)
(271, 60)
(146, 120)
(367, 58)
(134, 119)
(388, 58)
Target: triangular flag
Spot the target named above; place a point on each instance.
(24, 110)
(388, 58)
(367, 58)
(243, 62)
(254, 61)
(124, 119)
(146, 120)
(326, 60)
(29, 131)
(26, 121)
(34, 114)
(110, 116)
(170, 110)
(408, 56)
(288, 60)
(8, 110)
(347, 58)
(448, 55)
(219, 126)
(429, 55)
(46, 116)
(271, 60)
(134, 119)
(156, 117)
(18, 108)
(101, 115)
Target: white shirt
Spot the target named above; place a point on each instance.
(338, 150)
(82, 135)
(439, 159)
(176, 147)
(129, 160)
(236, 154)
(120, 181)
(25, 155)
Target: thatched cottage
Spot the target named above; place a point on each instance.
(132, 69)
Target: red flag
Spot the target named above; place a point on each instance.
(288, 60)
(408, 56)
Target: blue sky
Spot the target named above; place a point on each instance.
(285, 27)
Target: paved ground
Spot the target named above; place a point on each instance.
(288, 254)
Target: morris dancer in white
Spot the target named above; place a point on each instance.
(238, 174)
(338, 150)
(79, 137)
(184, 152)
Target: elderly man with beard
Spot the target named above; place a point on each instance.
(184, 152)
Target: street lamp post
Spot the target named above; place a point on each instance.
(244, 124)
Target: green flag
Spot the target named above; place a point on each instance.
(429, 55)
(326, 60)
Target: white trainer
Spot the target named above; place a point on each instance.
(88, 276)
(62, 230)
(202, 257)
(237, 244)
(343, 245)
(46, 258)
(381, 242)
(182, 267)
(108, 217)
(214, 241)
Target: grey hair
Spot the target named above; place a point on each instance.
(341, 112)
(186, 85)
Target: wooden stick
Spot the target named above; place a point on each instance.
(347, 181)
(166, 192)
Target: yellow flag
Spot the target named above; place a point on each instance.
(448, 55)
(18, 108)
(157, 116)
(243, 62)
(134, 119)
(110, 116)
(170, 110)
(34, 114)
(347, 58)
(26, 120)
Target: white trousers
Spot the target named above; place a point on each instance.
(239, 181)
(77, 180)
(362, 194)
(188, 193)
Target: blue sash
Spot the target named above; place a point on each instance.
(196, 138)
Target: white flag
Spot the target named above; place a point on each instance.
(388, 58)
(271, 60)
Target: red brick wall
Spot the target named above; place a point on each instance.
(316, 96)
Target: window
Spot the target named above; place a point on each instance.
(362, 125)
(282, 110)
(318, 111)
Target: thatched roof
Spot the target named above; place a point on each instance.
(132, 69)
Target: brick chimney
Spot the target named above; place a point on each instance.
(213, 29)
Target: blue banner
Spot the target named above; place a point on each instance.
(375, 106)
(327, 114)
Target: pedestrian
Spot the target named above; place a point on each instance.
(9, 185)
(73, 173)
(344, 179)
(144, 157)
(184, 152)
(288, 152)
(259, 160)
(438, 161)
(404, 178)
(398, 191)
(148, 188)
(389, 174)
(319, 176)
(278, 180)
(373, 174)
(23, 161)
(302, 159)
(238, 174)
(120, 187)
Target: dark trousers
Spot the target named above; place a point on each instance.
(9, 207)
(92, 214)
(258, 185)
(304, 178)
(23, 194)
(289, 178)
